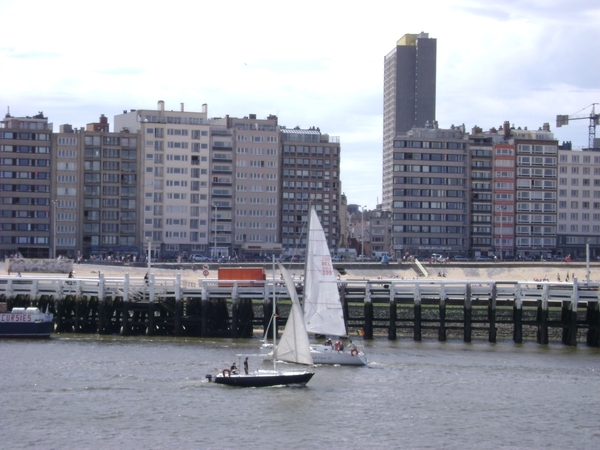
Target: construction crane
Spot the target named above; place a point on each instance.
(593, 118)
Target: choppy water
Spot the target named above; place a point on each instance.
(82, 391)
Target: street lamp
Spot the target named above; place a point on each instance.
(216, 218)
(149, 253)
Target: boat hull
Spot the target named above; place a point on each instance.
(26, 323)
(325, 354)
(265, 379)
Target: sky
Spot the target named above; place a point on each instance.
(310, 63)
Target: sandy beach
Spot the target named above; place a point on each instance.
(551, 271)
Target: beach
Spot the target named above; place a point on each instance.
(506, 271)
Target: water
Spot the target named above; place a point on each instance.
(112, 392)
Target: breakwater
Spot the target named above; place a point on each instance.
(541, 311)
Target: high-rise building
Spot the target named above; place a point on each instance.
(176, 177)
(25, 170)
(430, 192)
(578, 202)
(536, 178)
(408, 95)
(310, 176)
(253, 226)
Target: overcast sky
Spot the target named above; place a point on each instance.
(312, 63)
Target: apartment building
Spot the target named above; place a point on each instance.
(175, 171)
(253, 208)
(430, 195)
(310, 176)
(492, 192)
(26, 185)
(536, 184)
(578, 202)
(409, 93)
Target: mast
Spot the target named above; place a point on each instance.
(274, 319)
(306, 257)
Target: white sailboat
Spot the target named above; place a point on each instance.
(293, 347)
(323, 313)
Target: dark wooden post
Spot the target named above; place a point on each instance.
(235, 312)
(368, 313)
(518, 321)
(442, 329)
(542, 315)
(125, 322)
(417, 335)
(150, 323)
(592, 318)
(492, 334)
(205, 309)
(392, 333)
(468, 313)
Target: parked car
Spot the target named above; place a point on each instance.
(336, 258)
(460, 258)
(363, 258)
(199, 258)
(484, 258)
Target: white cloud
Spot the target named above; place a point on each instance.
(311, 63)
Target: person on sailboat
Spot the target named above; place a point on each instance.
(246, 366)
(328, 342)
(234, 369)
(351, 345)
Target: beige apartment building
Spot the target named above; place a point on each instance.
(536, 183)
(96, 192)
(251, 198)
(578, 202)
(175, 173)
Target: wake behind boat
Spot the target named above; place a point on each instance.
(26, 323)
(293, 347)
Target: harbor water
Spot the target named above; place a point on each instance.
(114, 392)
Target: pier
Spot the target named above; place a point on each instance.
(538, 311)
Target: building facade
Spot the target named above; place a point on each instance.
(175, 171)
(430, 195)
(310, 177)
(578, 202)
(409, 93)
(26, 185)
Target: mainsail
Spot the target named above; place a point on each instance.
(323, 312)
(294, 345)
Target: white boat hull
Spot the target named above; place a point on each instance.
(325, 354)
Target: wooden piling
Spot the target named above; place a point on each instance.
(417, 314)
(592, 319)
(392, 332)
(518, 322)
(368, 313)
(492, 332)
(542, 319)
(468, 313)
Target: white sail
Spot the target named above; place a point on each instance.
(323, 312)
(294, 345)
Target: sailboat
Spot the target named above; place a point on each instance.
(293, 347)
(323, 312)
